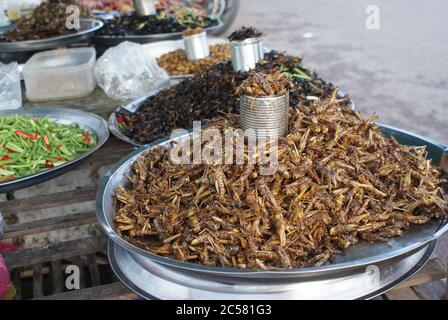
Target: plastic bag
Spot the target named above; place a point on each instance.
(10, 89)
(126, 72)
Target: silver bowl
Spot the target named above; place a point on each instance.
(84, 120)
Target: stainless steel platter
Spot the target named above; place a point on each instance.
(109, 41)
(134, 105)
(359, 255)
(87, 121)
(88, 27)
(157, 49)
(152, 280)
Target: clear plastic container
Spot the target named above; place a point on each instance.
(60, 74)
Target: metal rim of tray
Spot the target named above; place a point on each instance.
(134, 105)
(440, 226)
(108, 40)
(41, 44)
(138, 288)
(57, 114)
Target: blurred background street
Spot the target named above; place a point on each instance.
(399, 71)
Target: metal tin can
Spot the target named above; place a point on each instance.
(145, 7)
(246, 53)
(265, 115)
(196, 46)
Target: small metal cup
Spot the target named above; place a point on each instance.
(246, 53)
(196, 46)
(268, 115)
(145, 7)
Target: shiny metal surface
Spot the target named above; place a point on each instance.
(152, 280)
(88, 27)
(87, 121)
(196, 46)
(267, 116)
(361, 254)
(109, 41)
(246, 53)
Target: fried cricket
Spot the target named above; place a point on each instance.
(339, 180)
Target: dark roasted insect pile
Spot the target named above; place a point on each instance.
(165, 21)
(46, 21)
(245, 33)
(208, 94)
(265, 85)
(339, 180)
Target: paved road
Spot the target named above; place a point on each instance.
(399, 71)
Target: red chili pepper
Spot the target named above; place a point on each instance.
(46, 141)
(120, 120)
(58, 146)
(35, 135)
(86, 137)
(4, 158)
(6, 179)
(24, 135)
(59, 159)
(10, 151)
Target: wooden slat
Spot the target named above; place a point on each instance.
(37, 281)
(62, 250)
(44, 225)
(57, 279)
(113, 291)
(432, 271)
(45, 201)
(94, 271)
(402, 294)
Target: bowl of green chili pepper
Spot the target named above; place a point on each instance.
(38, 144)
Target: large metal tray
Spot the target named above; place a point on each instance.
(109, 41)
(88, 121)
(134, 105)
(152, 280)
(88, 27)
(361, 254)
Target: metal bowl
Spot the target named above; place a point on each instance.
(84, 120)
(152, 280)
(358, 255)
(109, 41)
(88, 27)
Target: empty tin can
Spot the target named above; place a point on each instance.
(246, 53)
(196, 46)
(266, 116)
